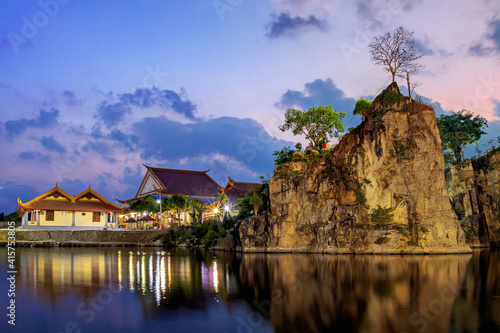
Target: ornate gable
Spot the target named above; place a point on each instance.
(150, 184)
(54, 194)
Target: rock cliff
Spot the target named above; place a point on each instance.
(380, 190)
(474, 188)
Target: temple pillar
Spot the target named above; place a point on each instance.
(73, 221)
(25, 219)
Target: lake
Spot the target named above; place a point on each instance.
(181, 290)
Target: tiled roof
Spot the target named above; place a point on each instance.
(79, 206)
(237, 190)
(57, 199)
(185, 182)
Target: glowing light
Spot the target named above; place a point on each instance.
(158, 201)
(143, 274)
(216, 210)
(120, 272)
(131, 271)
(216, 277)
(227, 208)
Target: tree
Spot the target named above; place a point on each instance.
(148, 204)
(178, 202)
(197, 209)
(285, 155)
(396, 51)
(361, 107)
(459, 129)
(256, 202)
(316, 123)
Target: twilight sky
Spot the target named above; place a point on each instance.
(91, 90)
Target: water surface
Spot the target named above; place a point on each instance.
(154, 290)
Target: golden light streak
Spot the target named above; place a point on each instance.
(131, 271)
(216, 277)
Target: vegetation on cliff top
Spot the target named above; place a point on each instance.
(316, 124)
(459, 129)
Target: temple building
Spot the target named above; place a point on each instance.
(160, 182)
(56, 208)
(237, 190)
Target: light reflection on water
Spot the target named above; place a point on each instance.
(134, 290)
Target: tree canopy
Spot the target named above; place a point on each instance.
(396, 51)
(316, 123)
(361, 107)
(459, 129)
(285, 155)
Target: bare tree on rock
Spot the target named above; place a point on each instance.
(396, 51)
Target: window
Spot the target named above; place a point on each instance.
(83, 214)
(96, 217)
(49, 215)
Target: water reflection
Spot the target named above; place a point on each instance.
(143, 289)
(53, 271)
(319, 293)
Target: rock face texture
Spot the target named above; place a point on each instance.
(380, 190)
(474, 189)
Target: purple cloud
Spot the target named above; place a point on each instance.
(112, 114)
(51, 144)
(285, 25)
(43, 120)
(145, 97)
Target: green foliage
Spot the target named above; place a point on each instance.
(469, 231)
(315, 124)
(209, 237)
(449, 160)
(484, 162)
(381, 112)
(362, 106)
(197, 234)
(285, 155)
(391, 97)
(261, 191)
(245, 208)
(460, 213)
(197, 209)
(256, 202)
(148, 204)
(381, 216)
(339, 171)
(459, 129)
(413, 231)
(13, 217)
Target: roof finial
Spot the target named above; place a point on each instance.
(89, 186)
(56, 184)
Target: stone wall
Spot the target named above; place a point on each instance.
(323, 202)
(82, 237)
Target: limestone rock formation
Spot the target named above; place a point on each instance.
(380, 190)
(475, 192)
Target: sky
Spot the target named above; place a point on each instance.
(92, 90)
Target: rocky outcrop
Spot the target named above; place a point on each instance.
(380, 190)
(474, 188)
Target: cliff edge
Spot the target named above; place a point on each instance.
(474, 188)
(380, 190)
